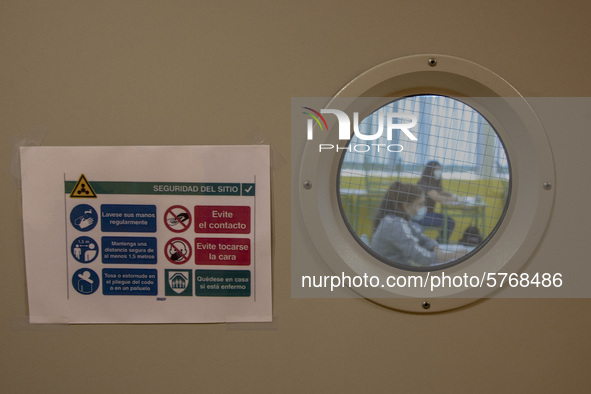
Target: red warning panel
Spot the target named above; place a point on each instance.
(222, 251)
(222, 219)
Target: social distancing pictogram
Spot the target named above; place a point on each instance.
(82, 189)
(84, 249)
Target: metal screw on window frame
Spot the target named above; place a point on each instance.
(307, 185)
(547, 186)
(432, 62)
(426, 305)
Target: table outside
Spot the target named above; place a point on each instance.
(472, 207)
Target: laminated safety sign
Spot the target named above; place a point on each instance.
(147, 234)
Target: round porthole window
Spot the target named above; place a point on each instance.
(420, 167)
(429, 203)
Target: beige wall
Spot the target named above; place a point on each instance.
(169, 72)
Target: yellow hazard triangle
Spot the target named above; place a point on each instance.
(82, 189)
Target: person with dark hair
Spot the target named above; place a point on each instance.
(430, 183)
(396, 236)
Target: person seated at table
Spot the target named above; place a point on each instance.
(430, 182)
(397, 238)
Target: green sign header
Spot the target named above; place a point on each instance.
(169, 188)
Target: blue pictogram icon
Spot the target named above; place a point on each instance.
(83, 217)
(84, 249)
(85, 281)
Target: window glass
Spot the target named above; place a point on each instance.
(430, 203)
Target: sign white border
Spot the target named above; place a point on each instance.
(45, 221)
